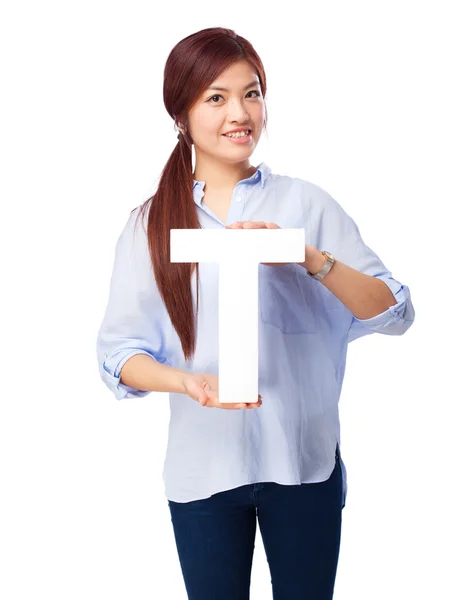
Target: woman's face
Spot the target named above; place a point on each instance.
(219, 111)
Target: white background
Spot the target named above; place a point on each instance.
(366, 99)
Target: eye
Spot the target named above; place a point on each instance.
(219, 95)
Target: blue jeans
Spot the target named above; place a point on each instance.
(301, 531)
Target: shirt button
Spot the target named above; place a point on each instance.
(239, 199)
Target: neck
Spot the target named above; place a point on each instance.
(219, 175)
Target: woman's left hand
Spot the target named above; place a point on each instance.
(257, 225)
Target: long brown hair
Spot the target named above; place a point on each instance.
(193, 64)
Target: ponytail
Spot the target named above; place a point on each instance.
(172, 207)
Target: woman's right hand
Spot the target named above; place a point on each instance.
(203, 388)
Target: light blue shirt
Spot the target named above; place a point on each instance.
(304, 331)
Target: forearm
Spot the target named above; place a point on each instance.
(365, 296)
(144, 373)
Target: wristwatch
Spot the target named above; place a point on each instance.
(326, 267)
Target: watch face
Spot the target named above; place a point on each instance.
(330, 255)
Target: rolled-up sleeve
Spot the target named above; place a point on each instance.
(132, 322)
(333, 229)
(397, 319)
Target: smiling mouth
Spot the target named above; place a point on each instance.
(240, 134)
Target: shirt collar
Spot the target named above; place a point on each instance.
(262, 173)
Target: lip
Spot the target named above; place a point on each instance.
(242, 140)
(238, 129)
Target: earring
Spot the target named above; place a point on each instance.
(182, 130)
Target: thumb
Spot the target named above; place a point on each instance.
(203, 398)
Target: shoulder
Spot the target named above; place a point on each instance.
(314, 195)
(133, 234)
(137, 220)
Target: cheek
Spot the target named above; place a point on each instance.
(206, 124)
(262, 112)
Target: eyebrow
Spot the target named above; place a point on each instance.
(251, 84)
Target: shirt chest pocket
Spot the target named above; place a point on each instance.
(286, 299)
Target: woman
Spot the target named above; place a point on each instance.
(278, 462)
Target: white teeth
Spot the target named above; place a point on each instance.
(238, 134)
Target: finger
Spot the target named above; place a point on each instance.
(203, 398)
(255, 225)
(239, 405)
(249, 405)
(241, 224)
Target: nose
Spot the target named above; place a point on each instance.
(237, 112)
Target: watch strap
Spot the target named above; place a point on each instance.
(325, 269)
